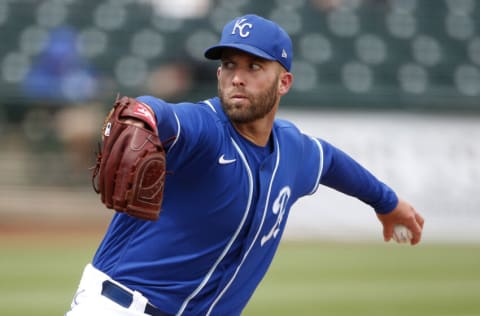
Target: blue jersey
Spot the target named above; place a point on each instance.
(226, 203)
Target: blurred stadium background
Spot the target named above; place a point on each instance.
(395, 83)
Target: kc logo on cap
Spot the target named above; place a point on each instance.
(240, 26)
(257, 36)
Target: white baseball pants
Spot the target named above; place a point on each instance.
(89, 300)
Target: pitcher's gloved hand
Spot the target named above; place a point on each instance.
(130, 169)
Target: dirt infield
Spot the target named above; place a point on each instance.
(37, 214)
(50, 227)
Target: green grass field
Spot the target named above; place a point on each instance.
(39, 276)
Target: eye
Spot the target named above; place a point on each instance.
(255, 66)
(227, 64)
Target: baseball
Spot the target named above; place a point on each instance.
(401, 234)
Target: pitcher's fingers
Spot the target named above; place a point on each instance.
(419, 219)
(416, 230)
(387, 232)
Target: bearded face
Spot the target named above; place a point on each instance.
(243, 106)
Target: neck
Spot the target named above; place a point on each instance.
(258, 132)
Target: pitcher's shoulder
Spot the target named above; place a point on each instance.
(288, 127)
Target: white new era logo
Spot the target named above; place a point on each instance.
(284, 54)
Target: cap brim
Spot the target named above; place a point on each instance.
(215, 52)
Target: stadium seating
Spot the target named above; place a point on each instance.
(348, 53)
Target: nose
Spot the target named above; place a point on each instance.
(238, 78)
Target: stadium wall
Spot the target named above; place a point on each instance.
(430, 160)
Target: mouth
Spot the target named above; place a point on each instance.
(238, 96)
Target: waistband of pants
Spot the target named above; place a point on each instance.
(95, 280)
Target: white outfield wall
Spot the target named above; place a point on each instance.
(433, 161)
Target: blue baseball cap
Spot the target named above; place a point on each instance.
(257, 36)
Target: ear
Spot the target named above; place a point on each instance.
(219, 69)
(285, 82)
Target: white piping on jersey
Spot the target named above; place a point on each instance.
(320, 167)
(179, 126)
(235, 235)
(178, 132)
(210, 105)
(277, 162)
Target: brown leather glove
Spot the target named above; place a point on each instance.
(130, 169)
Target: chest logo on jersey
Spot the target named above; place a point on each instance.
(224, 161)
(278, 208)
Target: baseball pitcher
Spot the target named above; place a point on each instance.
(202, 191)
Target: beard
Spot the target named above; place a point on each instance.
(260, 105)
